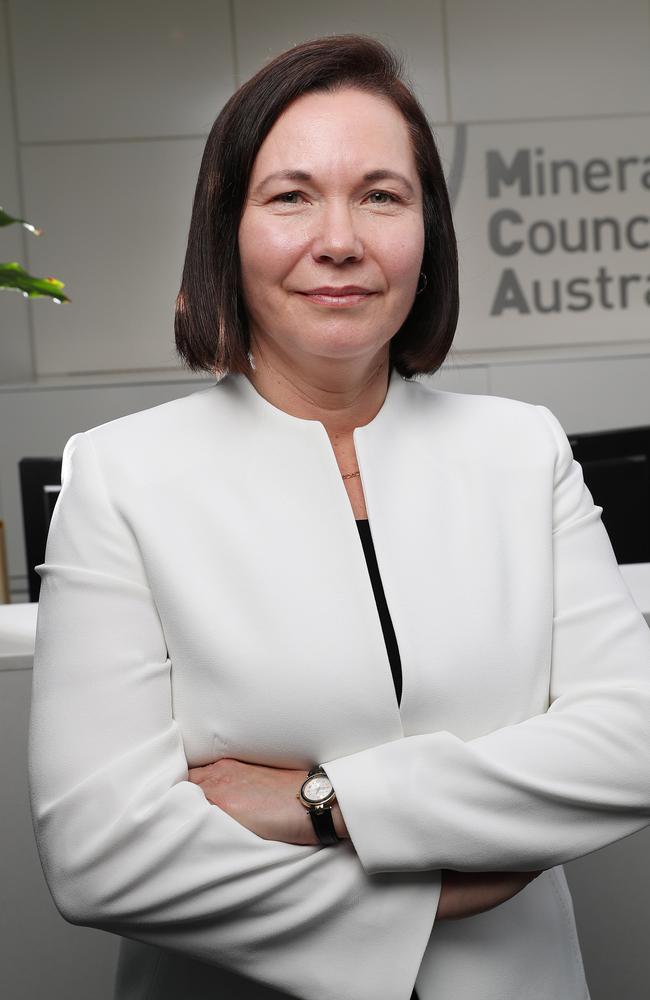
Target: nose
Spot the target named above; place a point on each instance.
(337, 238)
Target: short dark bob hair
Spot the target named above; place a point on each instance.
(210, 324)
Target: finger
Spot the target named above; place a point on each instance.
(196, 774)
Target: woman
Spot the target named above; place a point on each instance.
(317, 563)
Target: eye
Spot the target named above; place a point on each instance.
(385, 194)
(286, 194)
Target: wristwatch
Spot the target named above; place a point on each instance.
(317, 796)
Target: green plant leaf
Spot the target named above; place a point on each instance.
(9, 220)
(13, 275)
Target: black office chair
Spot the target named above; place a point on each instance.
(40, 485)
(616, 467)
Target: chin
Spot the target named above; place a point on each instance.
(342, 348)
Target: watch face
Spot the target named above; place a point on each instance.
(318, 788)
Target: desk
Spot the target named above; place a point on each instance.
(17, 634)
(18, 621)
(78, 961)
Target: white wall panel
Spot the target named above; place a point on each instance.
(526, 59)
(15, 350)
(459, 378)
(413, 29)
(8, 163)
(117, 217)
(120, 69)
(585, 394)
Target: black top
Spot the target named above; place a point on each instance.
(387, 626)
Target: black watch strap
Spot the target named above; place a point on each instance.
(323, 824)
(322, 819)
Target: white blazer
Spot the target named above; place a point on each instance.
(205, 594)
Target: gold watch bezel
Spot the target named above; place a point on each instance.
(320, 804)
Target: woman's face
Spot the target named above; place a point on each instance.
(329, 225)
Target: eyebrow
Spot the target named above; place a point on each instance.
(381, 174)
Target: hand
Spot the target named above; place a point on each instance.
(464, 894)
(263, 799)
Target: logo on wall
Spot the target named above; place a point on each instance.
(455, 177)
(553, 226)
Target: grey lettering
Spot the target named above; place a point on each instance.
(616, 232)
(621, 165)
(645, 176)
(564, 239)
(593, 170)
(547, 241)
(625, 280)
(556, 167)
(539, 173)
(509, 295)
(498, 172)
(494, 232)
(602, 280)
(555, 305)
(629, 234)
(574, 290)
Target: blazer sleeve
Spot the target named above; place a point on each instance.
(128, 844)
(553, 787)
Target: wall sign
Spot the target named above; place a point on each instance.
(553, 226)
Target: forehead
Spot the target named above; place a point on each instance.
(330, 130)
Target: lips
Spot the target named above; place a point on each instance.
(344, 297)
(343, 290)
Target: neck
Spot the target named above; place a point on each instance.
(341, 401)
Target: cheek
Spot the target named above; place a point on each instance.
(400, 252)
(267, 249)
(402, 262)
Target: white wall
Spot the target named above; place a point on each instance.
(107, 106)
(104, 111)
